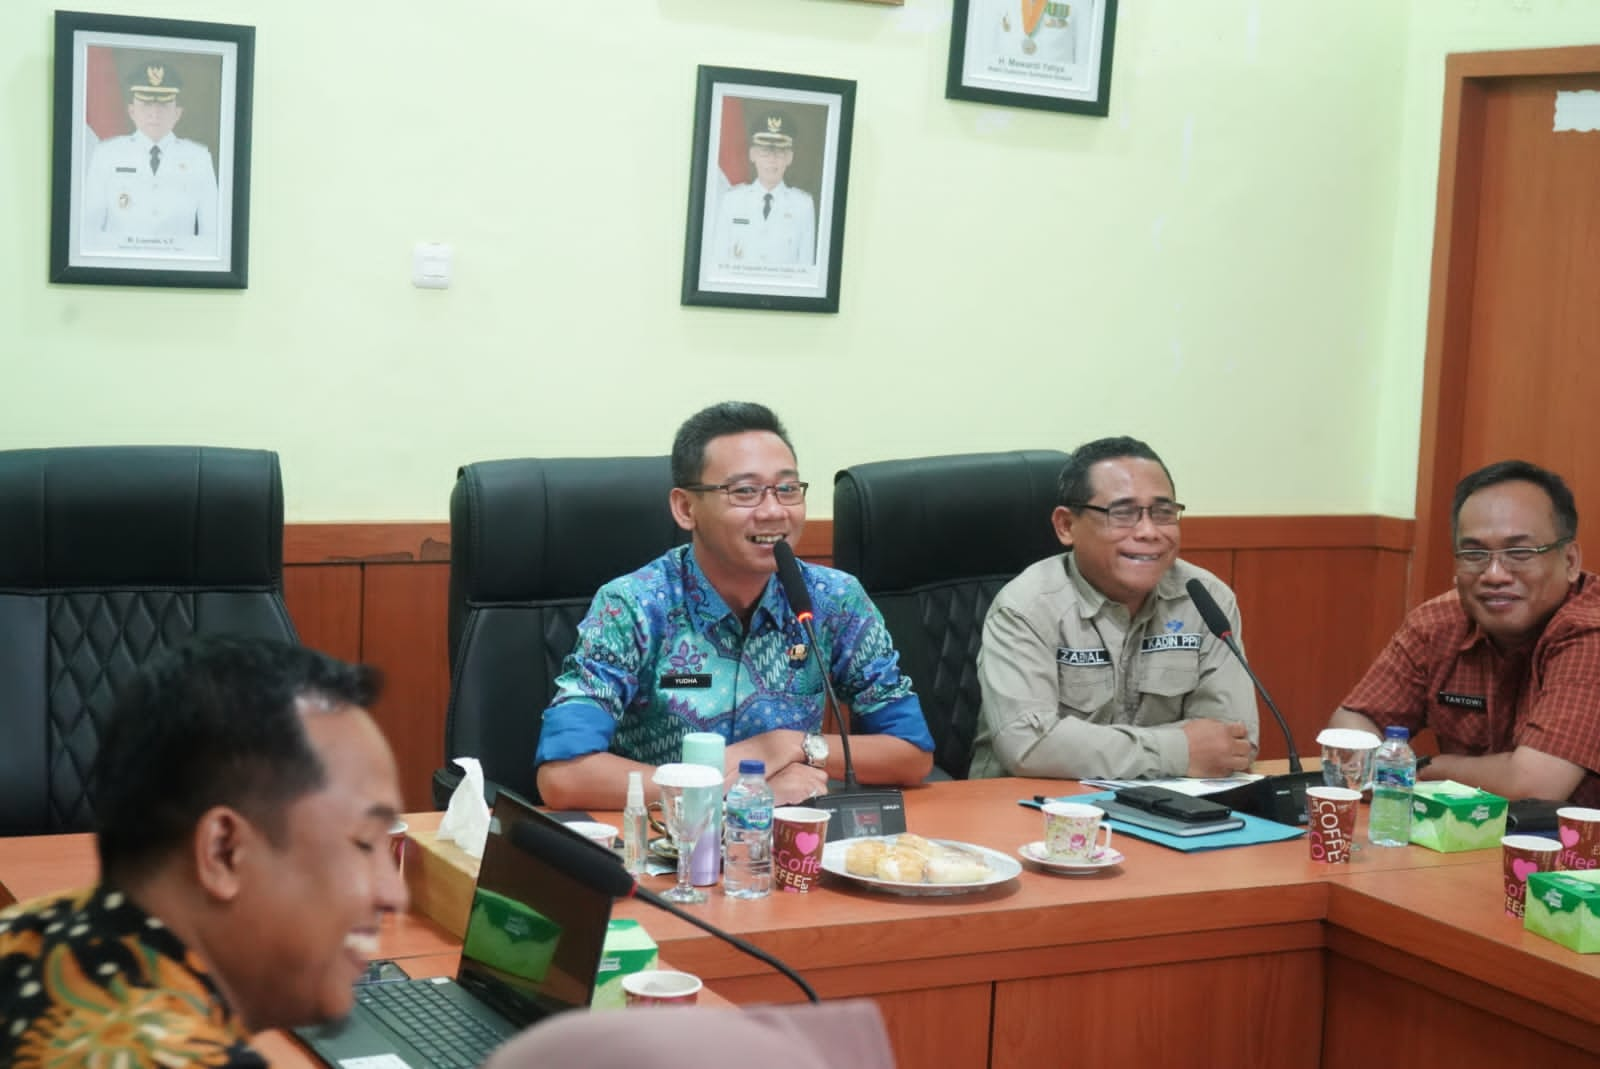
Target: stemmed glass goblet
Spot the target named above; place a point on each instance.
(689, 796)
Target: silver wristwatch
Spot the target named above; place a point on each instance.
(815, 748)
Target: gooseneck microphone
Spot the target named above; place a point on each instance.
(852, 809)
(1281, 799)
(1217, 621)
(794, 586)
(599, 869)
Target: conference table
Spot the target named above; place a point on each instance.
(1247, 956)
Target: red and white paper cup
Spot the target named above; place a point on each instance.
(798, 833)
(1521, 855)
(1331, 819)
(1579, 829)
(661, 987)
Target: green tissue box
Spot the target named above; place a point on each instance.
(628, 949)
(1565, 907)
(1449, 817)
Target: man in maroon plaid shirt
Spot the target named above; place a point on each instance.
(1505, 668)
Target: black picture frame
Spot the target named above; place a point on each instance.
(118, 216)
(748, 245)
(1045, 54)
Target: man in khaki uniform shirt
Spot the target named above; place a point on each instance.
(1096, 663)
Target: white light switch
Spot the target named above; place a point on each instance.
(431, 263)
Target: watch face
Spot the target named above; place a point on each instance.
(815, 748)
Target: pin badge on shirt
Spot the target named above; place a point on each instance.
(797, 653)
(1174, 626)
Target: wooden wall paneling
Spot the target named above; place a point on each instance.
(404, 633)
(324, 602)
(1294, 532)
(332, 543)
(1319, 596)
(1218, 562)
(1168, 1015)
(1312, 622)
(815, 543)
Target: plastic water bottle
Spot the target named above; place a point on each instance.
(635, 827)
(1394, 772)
(747, 834)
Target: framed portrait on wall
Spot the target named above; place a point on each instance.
(150, 180)
(1048, 54)
(767, 179)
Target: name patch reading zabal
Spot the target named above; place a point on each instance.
(1082, 657)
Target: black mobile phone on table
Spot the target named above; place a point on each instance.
(1174, 805)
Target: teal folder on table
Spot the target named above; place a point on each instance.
(1255, 829)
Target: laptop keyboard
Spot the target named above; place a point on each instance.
(442, 1031)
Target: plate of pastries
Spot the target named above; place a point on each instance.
(912, 865)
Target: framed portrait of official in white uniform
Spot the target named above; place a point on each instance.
(1048, 54)
(767, 178)
(150, 181)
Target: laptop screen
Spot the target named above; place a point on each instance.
(535, 935)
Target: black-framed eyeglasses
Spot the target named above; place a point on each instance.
(1512, 558)
(749, 495)
(1162, 513)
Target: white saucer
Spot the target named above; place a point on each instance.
(1103, 858)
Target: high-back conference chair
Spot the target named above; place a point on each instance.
(933, 540)
(109, 555)
(530, 543)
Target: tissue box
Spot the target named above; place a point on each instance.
(1449, 817)
(1565, 907)
(628, 949)
(441, 878)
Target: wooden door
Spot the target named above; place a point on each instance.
(1513, 366)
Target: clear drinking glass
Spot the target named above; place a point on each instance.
(689, 796)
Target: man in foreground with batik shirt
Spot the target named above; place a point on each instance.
(243, 799)
(1505, 667)
(704, 639)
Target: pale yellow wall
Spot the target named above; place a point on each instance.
(1439, 27)
(1233, 265)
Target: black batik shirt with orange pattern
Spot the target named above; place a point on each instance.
(89, 979)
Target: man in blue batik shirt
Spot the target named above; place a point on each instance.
(703, 639)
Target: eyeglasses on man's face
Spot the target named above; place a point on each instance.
(1162, 513)
(1512, 558)
(749, 495)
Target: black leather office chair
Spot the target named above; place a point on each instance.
(933, 540)
(530, 543)
(109, 555)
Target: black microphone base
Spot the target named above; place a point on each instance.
(1280, 799)
(857, 811)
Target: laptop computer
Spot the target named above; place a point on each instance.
(532, 948)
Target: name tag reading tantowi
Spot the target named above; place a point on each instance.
(685, 681)
(1464, 701)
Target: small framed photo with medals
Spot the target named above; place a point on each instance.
(151, 152)
(767, 178)
(1049, 54)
